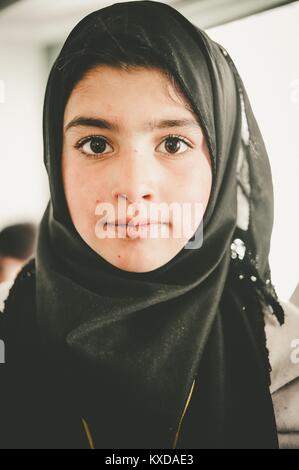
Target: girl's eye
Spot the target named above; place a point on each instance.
(174, 143)
(93, 146)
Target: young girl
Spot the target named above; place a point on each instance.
(134, 327)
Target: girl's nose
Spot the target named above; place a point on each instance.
(135, 181)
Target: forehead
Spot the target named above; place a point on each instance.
(136, 87)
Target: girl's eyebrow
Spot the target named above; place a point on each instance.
(113, 126)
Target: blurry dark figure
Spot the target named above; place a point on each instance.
(17, 246)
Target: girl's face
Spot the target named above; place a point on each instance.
(133, 150)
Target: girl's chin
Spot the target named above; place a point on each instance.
(138, 261)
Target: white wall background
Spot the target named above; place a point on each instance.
(23, 186)
(265, 50)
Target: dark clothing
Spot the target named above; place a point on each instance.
(35, 406)
(40, 408)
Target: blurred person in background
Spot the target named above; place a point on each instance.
(17, 246)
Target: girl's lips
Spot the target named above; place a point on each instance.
(140, 230)
(135, 224)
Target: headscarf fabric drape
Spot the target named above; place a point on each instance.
(134, 344)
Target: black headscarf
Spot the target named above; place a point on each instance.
(132, 344)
